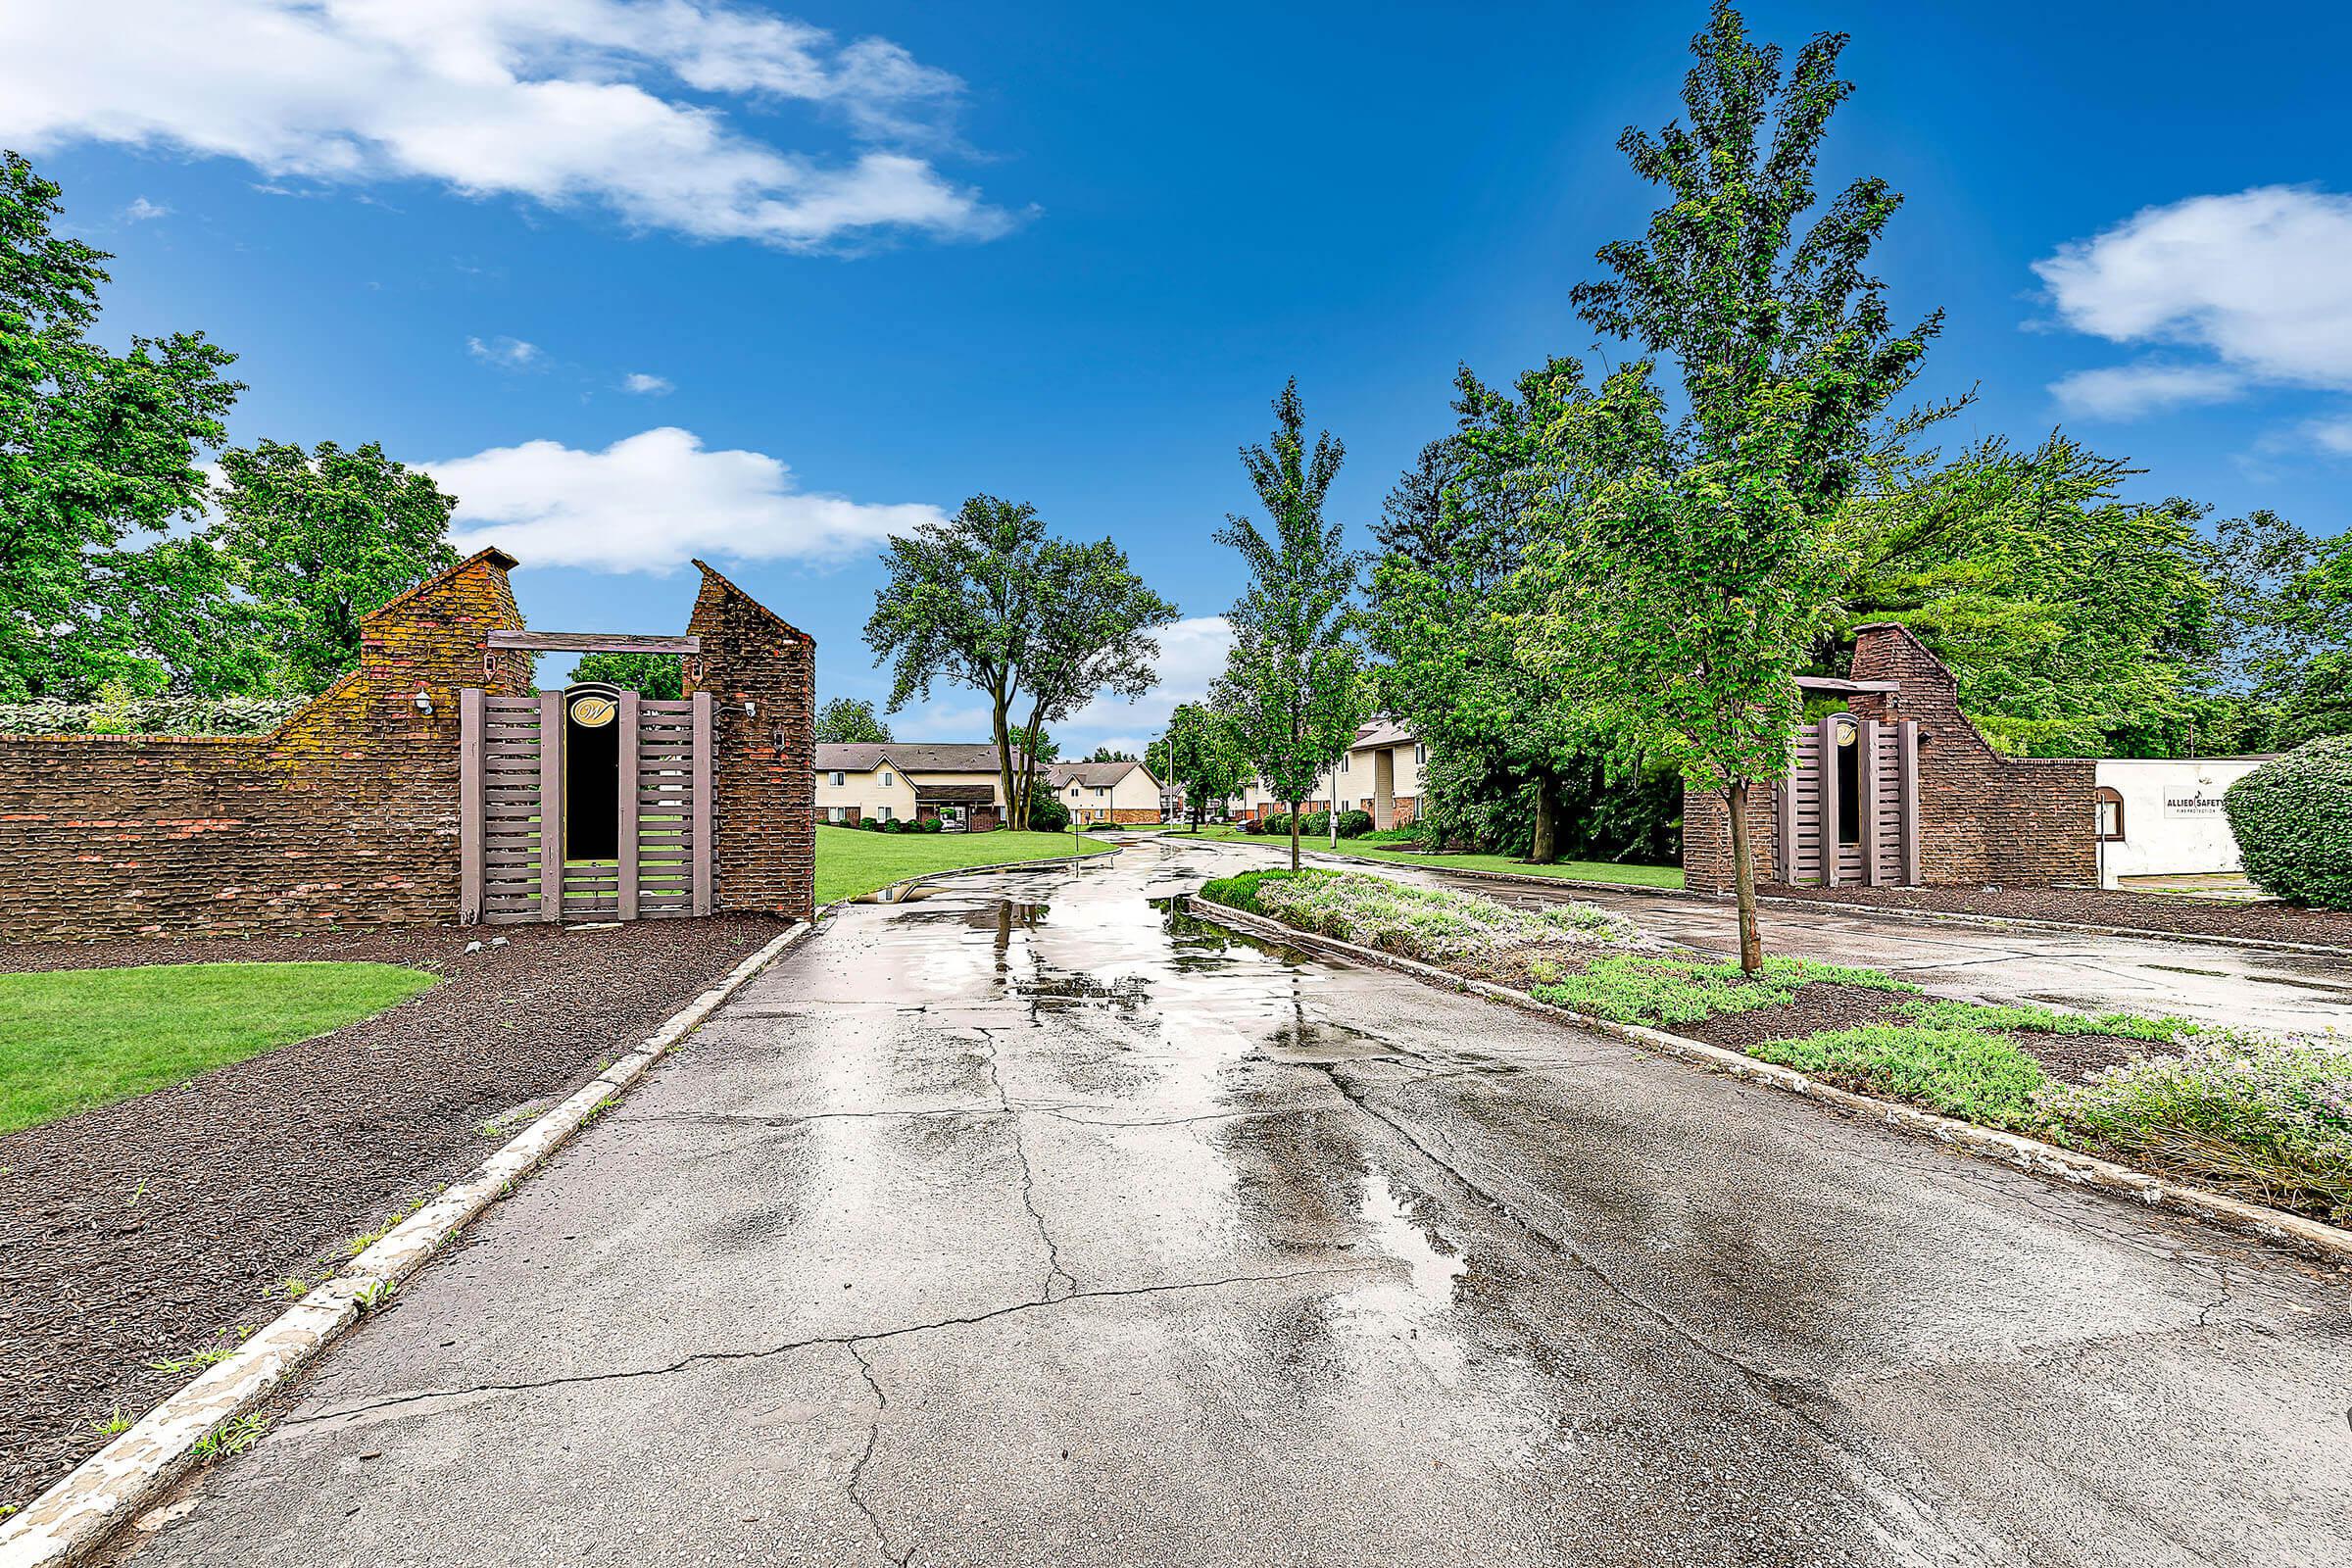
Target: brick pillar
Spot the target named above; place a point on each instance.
(764, 778)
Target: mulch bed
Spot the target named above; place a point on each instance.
(266, 1168)
(2142, 911)
(1824, 1008)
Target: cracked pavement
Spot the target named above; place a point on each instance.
(1024, 1222)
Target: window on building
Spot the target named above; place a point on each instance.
(1849, 784)
(837, 813)
(886, 781)
(1343, 760)
(882, 812)
(839, 778)
(2111, 815)
(1420, 755)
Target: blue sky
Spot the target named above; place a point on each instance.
(876, 259)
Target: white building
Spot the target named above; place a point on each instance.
(2163, 817)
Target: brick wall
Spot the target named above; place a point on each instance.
(764, 782)
(346, 814)
(1984, 817)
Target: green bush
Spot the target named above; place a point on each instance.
(2294, 821)
(927, 824)
(1241, 892)
(872, 824)
(1278, 825)
(1046, 814)
(2269, 1120)
(1354, 824)
(1966, 1073)
(891, 824)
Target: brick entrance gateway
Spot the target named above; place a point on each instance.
(1902, 789)
(352, 811)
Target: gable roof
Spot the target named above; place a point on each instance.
(933, 756)
(1094, 775)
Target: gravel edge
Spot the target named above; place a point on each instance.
(2312, 1237)
(114, 1486)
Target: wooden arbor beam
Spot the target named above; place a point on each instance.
(591, 642)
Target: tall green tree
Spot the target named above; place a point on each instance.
(2280, 668)
(98, 451)
(1683, 587)
(1095, 624)
(659, 676)
(317, 539)
(1448, 597)
(1295, 685)
(2076, 622)
(962, 605)
(1201, 751)
(851, 721)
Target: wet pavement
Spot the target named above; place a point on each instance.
(1028, 1222)
(2210, 982)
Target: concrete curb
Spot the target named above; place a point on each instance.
(2306, 1235)
(119, 1482)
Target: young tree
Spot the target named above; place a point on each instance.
(317, 539)
(962, 604)
(1095, 619)
(1294, 686)
(849, 720)
(1202, 753)
(96, 449)
(1687, 580)
(661, 676)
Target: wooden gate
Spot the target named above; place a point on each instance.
(559, 823)
(1848, 808)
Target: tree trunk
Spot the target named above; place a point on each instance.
(1744, 881)
(1014, 817)
(1294, 835)
(1546, 847)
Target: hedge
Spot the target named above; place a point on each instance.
(2294, 821)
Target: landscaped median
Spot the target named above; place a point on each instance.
(2262, 1120)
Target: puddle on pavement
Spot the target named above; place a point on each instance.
(1313, 1041)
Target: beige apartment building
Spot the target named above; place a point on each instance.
(1379, 774)
(909, 781)
(1106, 792)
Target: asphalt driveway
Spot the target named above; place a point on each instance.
(1028, 1223)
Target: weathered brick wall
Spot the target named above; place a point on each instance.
(347, 814)
(1984, 817)
(764, 782)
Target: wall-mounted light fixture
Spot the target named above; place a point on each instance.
(750, 708)
(424, 702)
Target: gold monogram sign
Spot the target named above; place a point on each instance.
(592, 713)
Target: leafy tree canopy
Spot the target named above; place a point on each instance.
(851, 721)
(98, 451)
(1202, 752)
(317, 539)
(659, 676)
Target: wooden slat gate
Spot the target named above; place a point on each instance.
(515, 824)
(1880, 846)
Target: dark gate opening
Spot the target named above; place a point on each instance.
(591, 773)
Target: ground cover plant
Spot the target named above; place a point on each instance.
(850, 863)
(76, 1039)
(2269, 1121)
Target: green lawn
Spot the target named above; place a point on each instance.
(851, 861)
(73, 1039)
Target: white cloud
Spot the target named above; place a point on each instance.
(143, 210)
(650, 501)
(2258, 278)
(561, 102)
(652, 386)
(506, 352)
(2126, 391)
(2332, 436)
(1192, 654)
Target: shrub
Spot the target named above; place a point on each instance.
(1047, 815)
(872, 824)
(1967, 1073)
(1672, 990)
(891, 824)
(2294, 821)
(927, 824)
(1474, 934)
(2269, 1121)
(1278, 825)
(1241, 892)
(1354, 824)
(1316, 825)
